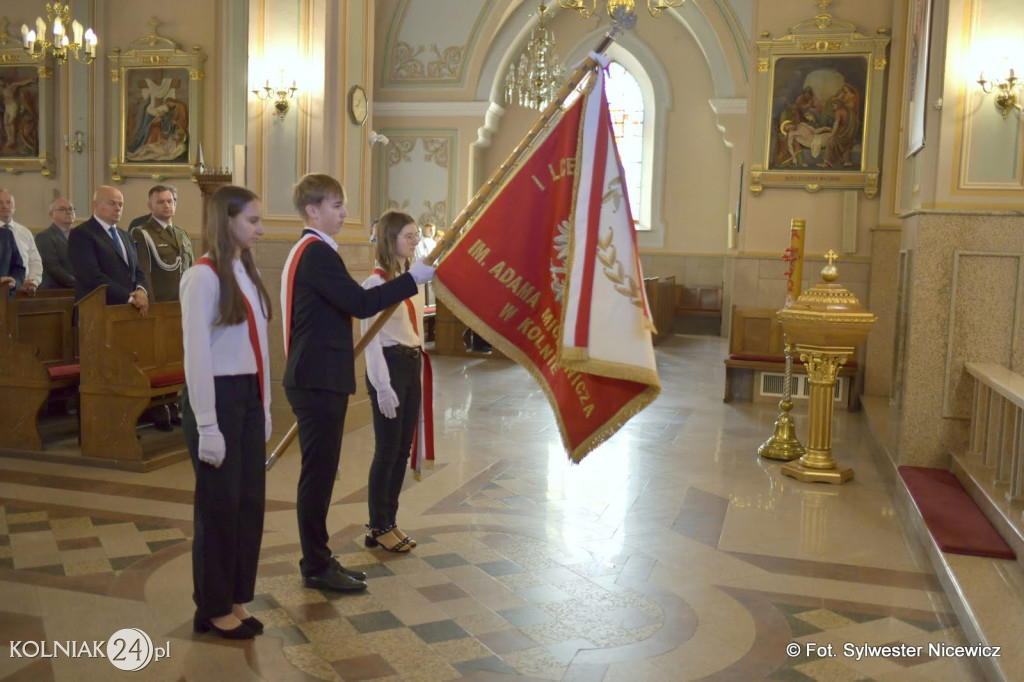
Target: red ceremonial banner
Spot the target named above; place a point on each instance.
(505, 277)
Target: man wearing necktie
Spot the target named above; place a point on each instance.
(101, 253)
(164, 249)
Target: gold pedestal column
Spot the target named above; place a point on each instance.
(822, 363)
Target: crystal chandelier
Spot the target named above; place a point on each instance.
(82, 46)
(655, 7)
(539, 74)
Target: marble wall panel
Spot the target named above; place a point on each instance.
(881, 300)
(926, 435)
(984, 325)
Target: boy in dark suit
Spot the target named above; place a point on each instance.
(318, 301)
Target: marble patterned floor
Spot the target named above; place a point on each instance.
(671, 553)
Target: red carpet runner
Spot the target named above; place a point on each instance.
(953, 518)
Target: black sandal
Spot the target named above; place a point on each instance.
(387, 540)
(402, 536)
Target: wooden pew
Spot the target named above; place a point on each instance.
(661, 299)
(755, 346)
(699, 310)
(129, 362)
(452, 337)
(38, 359)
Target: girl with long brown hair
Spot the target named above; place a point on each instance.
(395, 369)
(226, 411)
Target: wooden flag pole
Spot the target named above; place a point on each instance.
(471, 208)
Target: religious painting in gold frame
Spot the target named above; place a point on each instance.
(157, 92)
(26, 110)
(819, 107)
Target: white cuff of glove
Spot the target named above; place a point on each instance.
(421, 272)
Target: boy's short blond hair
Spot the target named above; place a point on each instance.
(312, 189)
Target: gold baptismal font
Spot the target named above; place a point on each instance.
(826, 323)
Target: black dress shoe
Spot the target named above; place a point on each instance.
(333, 578)
(202, 624)
(351, 573)
(160, 417)
(254, 624)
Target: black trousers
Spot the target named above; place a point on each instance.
(229, 499)
(393, 437)
(321, 420)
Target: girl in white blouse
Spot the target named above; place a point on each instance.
(226, 411)
(394, 366)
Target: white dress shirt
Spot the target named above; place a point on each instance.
(29, 252)
(119, 243)
(397, 331)
(323, 235)
(218, 350)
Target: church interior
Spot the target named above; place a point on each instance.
(891, 132)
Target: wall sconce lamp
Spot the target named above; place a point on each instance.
(280, 95)
(75, 142)
(373, 137)
(1006, 97)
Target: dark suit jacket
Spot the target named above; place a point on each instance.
(325, 298)
(10, 258)
(96, 261)
(53, 248)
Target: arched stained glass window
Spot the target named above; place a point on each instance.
(626, 105)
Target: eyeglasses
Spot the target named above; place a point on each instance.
(65, 209)
(411, 237)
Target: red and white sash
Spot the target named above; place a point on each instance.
(254, 335)
(291, 264)
(423, 440)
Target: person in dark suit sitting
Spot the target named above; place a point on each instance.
(12, 270)
(319, 298)
(53, 247)
(101, 253)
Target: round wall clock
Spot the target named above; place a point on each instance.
(357, 106)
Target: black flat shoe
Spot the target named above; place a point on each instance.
(200, 624)
(254, 624)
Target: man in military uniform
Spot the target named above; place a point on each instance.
(165, 253)
(165, 250)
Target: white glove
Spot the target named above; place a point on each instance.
(387, 401)
(211, 445)
(421, 272)
(268, 427)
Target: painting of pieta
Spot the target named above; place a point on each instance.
(19, 112)
(817, 113)
(156, 123)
